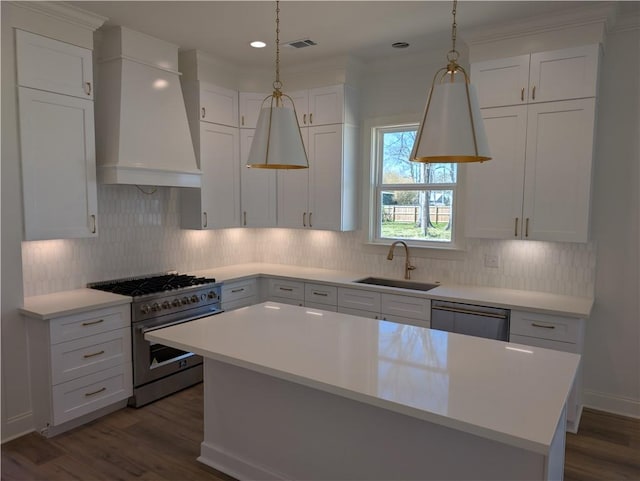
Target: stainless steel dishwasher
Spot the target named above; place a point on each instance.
(480, 321)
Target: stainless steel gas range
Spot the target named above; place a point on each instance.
(160, 301)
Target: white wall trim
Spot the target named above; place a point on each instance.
(600, 13)
(627, 23)
(66, 13)
(613, 404)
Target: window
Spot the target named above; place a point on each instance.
(413, 201)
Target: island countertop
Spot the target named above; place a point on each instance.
(505, 392)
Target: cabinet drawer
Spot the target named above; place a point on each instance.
(89, 393)
(359, 312)
(320, 294)
(89, 323)
(233, 305)
(287, 289)
(404, 306)
(545, 343)
(238, 290)
(88, 355)
(359, 299)
(554, 328)
(287, 300)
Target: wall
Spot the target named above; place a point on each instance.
(612, 354)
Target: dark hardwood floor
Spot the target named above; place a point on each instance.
(161, 442)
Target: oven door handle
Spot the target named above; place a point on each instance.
(143, 330)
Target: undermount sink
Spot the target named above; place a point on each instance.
(416, 286)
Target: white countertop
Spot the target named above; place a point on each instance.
(506, 392)
(49, 306)
(532, 301)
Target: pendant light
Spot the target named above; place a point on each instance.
(452, 129)
(277, 142)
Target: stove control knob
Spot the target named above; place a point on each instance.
(212, 295)
(145, 309)
(185, 300)
(195, 299)
(155, 307)
(176, 302)
(166, 305)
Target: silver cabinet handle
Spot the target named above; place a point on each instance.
(311, 118)
(466, 311)
(91, 323)
(515, 233)
(205, 219)
(544, 326)
(533, 93)
(238, 290)
(522, 94)
(526, 227)
(304, 219)
(286, 289)
(87, 394)
(87, 356)
(204, 113)
(304, 119)
(94, 226)
(87, 88)
(310, 224)
(242, 122)
(244, 221)
(323, 294)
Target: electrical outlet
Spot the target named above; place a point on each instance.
(492, 260)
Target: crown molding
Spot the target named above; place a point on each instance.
(64, 12)
(627, 23)
(599, 13)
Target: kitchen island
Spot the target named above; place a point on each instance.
(297, 393)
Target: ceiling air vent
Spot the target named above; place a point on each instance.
(305, 42)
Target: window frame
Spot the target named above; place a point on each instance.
(376, 187)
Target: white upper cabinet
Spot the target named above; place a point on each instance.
(565, 74)
(537, 185)
(322, 106)
(54, 66)
(557, 180)
(212, 112)
(216, 204)
(218, 105)
(258, 189)
(250, 105)
(57, 139)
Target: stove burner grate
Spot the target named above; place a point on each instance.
(151, 285)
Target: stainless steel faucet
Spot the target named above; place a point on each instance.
(407, 265)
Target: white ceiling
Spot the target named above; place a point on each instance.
(365, 29)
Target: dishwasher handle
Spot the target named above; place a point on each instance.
(468, 311)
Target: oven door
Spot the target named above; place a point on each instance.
(152, 361)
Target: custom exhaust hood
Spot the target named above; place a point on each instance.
(142, 133)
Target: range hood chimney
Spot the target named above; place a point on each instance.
(142, 133)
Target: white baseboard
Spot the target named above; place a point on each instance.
(233, 465)
(17, 426)
(612, 404)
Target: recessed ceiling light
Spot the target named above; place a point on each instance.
(258, 44)
(400, 45)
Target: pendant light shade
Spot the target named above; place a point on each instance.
(452, 129)
(277, 142)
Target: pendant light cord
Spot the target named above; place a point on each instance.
(277, 85)
(453, 54)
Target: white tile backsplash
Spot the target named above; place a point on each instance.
(140, 234)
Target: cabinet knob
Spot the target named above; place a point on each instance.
(205, 220)
(311, 118)
(526, 227)
(310, 221)
(533, 93)
(244, 220)
(204, 113)
(515, 233)
(522, 94)
(87, 88)
(304, 119)
(93, 219)
(304, 219)
(242, 120)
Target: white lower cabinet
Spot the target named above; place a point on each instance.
(239, 294)
(285, 291)
(358, 299)
(558, 333)
(358, 312)
(406, 309)
(81, 365)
